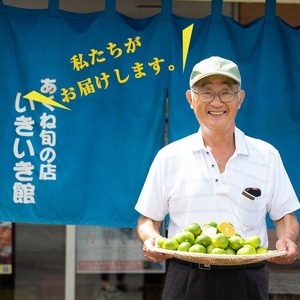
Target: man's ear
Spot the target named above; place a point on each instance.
(241, 98)
(189, 98)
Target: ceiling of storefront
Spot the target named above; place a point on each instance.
(241, 10)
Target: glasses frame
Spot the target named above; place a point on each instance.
(215, 94)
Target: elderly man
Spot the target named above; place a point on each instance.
(202, 177)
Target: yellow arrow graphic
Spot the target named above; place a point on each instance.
(186, 39)
(35, 96)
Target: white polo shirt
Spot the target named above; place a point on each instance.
(184, 181)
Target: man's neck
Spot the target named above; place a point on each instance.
(218, 139)
(221, 145)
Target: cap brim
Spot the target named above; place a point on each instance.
(197, 78)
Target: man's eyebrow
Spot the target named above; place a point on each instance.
(205, 83)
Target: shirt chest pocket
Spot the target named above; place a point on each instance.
(249, 212)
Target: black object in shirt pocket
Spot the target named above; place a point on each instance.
(251, 193)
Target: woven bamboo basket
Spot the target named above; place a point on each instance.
(221, 259)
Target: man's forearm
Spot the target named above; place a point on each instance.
(147, 228)
(288, 226)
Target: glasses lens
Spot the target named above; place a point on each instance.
(206, 96)
(226, 96)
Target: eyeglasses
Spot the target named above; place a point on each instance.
(208, 96)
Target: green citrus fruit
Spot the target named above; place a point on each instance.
(209, 248)
(229, 250)
(203, 239)
(226, 228)
(211, 223)
(261, 250)
(175, 237)
(246, 250)
(236, 242)
(161, 241)
(209, 230)
(218, 251)
(184, 246)
(186, 236)
(194, 228)
(253, 240)
(197, 248)
(170, 244)
(220, 240)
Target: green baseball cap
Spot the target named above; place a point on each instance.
(215, 65)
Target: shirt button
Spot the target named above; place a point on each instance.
(216, 180)
(212, 165)
(207, 152)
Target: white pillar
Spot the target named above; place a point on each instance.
(70, 267)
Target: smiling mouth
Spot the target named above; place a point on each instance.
(216, 113)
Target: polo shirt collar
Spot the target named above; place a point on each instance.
(197, 141)
(240, 143)
(241, 147)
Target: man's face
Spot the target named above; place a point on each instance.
(215, 114)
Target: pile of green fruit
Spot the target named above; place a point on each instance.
(213, 238)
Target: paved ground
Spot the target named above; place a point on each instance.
(37, 284)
